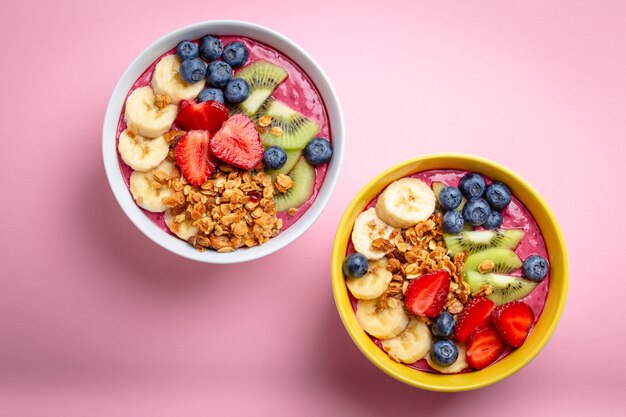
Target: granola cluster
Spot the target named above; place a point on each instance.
(420, 250)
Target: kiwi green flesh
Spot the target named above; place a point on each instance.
(292, 159)
(303, 175)
(262, 77)
(506, 288)
(477, 240)
(437, 187)
(297, 130)
(505, 260)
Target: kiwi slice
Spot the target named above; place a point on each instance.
(262, 77)
(303, 176)
(477, 240)
(505, 260)
(506, 288)
(437, 187)
(292, 159)
(295, 129)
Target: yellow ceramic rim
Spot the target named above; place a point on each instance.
(555, 301)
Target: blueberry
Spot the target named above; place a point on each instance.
(214, 94)
(453, 222)
(498, 195)
(472, 185)
(444, 352)
(211, 48)
(219, 73)
(443, 325)
(476, 211)
(192, 70)
(236, 54)
(494, 220)
(318, 151)
(275, 157)
(535, 268)
(355, 265)
(450, 198)
(237, 90)
(187, 50)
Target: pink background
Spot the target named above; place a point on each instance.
(96, 320)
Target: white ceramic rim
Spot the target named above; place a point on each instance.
(147, 57)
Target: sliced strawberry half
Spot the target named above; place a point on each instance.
(474, 314)
(513, 321)
(483, 347)
(194, 157)
(208, 115)
(426, 296)
(238, 143)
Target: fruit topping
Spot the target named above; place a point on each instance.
(194, 157)
(535, 268)
(149, 120)
(411, 345)
(513, 321)
(426, 295)
(218, 74)
(275, 157)
(210, 93)
(494, 220)
(236, 91)
(484, 347)
(450, 198)
(498, 195)
(210, 48)
(373, 283)
(493, 260)
(472, 185)
(444, 353)
(303, 175)
(318, 151)
(476, 211)
(475, 314)
(294, 131)
(187, 50)
(383, 322)
(262, 77)
(505, 288)
(453, 222)
(477, 240)
(208, 115)
(406, 202)
(443, 325)
(459, 365)
(292, 159)
(355, 265)
(235, 54)
(367, 228)
(237, 143)
(192, 70)
(167, 80)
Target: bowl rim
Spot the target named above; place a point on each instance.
(432, 381)
(148, 55)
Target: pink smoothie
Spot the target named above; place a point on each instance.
(297, 91)
(515, 216)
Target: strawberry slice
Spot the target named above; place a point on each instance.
(426, 296)
(194, 157)
(208, 115)
(475, 314)
(238, 143)
(483, 347)
(513, 321)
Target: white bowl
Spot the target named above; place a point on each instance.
(143, 61)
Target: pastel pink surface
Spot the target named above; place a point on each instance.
(97, 320)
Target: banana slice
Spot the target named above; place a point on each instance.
(180, 226)
(385, 323)
(406, 202)
(411, 345)
(142, 154)
(145, 117)
(143, 191)
(456, 367)
(166, 80)
(373, 284)
(367, 228)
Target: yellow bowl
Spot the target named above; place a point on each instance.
(555, 302)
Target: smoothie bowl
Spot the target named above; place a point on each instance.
(223, 141)
(449, 272)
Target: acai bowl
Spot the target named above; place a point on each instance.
(223, 141)
(449, 272)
